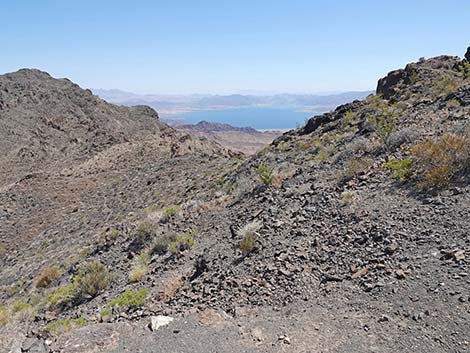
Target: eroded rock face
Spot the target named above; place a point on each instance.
(467, 54)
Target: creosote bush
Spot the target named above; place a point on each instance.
(130, 299)
(92, 279)
(441, 162)
(355, 167)
(402, 168)
(265, 174)
(161, 244)
(171, 210)
(47, 276)
(182, 242)
(62, 326)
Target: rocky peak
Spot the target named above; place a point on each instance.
(467, 54)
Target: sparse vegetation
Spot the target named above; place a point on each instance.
(384, 118)
(130, 299)
(140, 267)
(92, 279)
(265, 174)
(20, 305)
(4, 315)
(47, 276)
(401, 137)
(443, 161)
(445, 85)
(62, 295)
(145, 231)
(62, 326)
(249, 236)
(171, 210)
(162, 243)
(183, 242)
(355, 167)
(402, 168)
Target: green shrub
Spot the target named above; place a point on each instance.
(182, 242)
(162, 243)
(47, 276)
(402, 168)
(92, 279)
(171, 210)
(265, 174)
(442, 161)
(20, 305)
(130, 299)
(445, 86)
(63, 294)
(145, 231)
(61, 326)
(385, 122)
(140, 267)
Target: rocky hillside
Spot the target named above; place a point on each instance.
(242, 139)
(349, 234)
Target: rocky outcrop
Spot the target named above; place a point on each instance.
(467, 54)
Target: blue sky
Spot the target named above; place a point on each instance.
(228, 46)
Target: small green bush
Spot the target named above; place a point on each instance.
(265, 174)
(182, 242)
(445, 86)
(92, 279)
(355, 167)
(171, 210)
(62, 326)
(145, 231)
(130, 299)
(63, 294)
(162, 243)
(20, 305)
(402, 168)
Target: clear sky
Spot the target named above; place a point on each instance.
(203, 46)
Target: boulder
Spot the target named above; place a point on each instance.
(159, 321)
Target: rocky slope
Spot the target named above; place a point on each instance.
(349, 234)
(245, 139)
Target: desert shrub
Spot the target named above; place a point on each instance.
(140, 267)
(171, 210)
(265, 174)
(137, 273)
(20, 305)
(92, 279)
(401, 137)
(443, 161)
(145, 231)
(349, 117)
(445, 85)
(47, 276)
(130, 299)
(402, 168)
(453, 103)
(62, 326)
(183, 242)
(249, 236)
(162, 243)
(355, 167)
(62, 295)
(464, 68)
(385, 123)
(4, 315)
(355, 148)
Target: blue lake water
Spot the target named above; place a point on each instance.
(258, 118)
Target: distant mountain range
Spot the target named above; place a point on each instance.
(173, 104)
